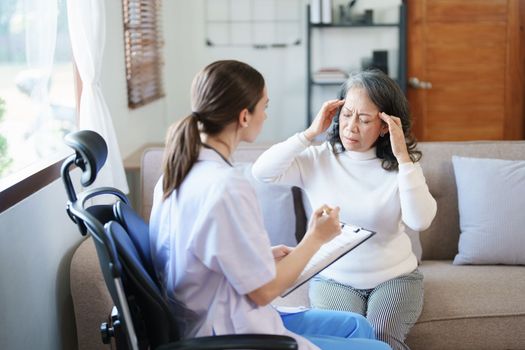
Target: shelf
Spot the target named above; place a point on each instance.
(250, 21)
(400, 26)
(353, 25)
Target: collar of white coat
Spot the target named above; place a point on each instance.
(211, 155)
(366, 155)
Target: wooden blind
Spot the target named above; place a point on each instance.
(143, 42)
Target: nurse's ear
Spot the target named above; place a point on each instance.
(244, 118)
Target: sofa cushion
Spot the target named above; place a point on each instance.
(91, 299)
(282, 208)
(415, 242)
(150, 172)
(491, 198)
(483, 306)
(440, 240)
(479, 291)
(465, 307)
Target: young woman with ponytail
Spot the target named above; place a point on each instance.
(210, 249)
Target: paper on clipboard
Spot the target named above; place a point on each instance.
(330, 252)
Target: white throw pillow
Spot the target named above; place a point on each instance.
(278, 209)
(491, 201)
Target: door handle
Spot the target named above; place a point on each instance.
(418, 84)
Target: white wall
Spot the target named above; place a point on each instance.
(133, 127)
(37, 240)
(186, 53)
(284, 68)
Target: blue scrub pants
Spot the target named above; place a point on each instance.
(334, 330)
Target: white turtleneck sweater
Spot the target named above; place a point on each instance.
(369, 196)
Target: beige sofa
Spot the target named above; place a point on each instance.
(465, 307)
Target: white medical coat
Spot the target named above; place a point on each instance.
(210, 249)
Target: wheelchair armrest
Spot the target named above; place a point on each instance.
(73, 208)
(86, 195)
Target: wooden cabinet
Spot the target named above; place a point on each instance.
(468, 57)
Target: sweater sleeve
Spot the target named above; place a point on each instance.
(280, 163)
(418, 207)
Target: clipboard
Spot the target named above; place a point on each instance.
(349, 238)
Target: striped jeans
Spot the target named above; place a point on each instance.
(392, 307)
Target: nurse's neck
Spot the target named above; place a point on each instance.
(223, 143)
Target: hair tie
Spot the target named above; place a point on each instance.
(196, 115)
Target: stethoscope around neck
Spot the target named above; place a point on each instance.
(205, 145)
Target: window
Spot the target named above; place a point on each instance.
(142, 45)
(37, 88)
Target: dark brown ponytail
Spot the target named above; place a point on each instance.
(183, 143)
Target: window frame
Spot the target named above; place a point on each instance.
(26, 186)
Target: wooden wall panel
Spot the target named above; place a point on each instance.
(466, 10)
(416, 14)
(466, 56)
(460, 77)
(515, 72)
(477, 118)
(485, 34)
(454, 134)
(472, 98)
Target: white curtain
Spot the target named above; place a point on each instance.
(40, 38)
(87, 28)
